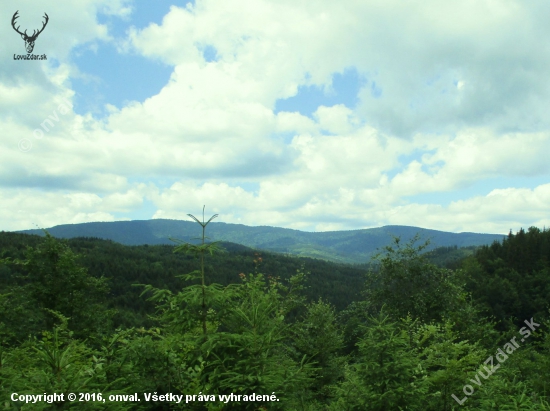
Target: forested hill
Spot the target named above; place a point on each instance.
(158, 265)
(355, 246)
(407, 334)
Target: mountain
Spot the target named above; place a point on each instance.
(354, 246)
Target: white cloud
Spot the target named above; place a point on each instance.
(497, 212)
(337, 119)
(25, 209)
(455, 93)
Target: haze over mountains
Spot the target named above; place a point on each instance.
(355, 246)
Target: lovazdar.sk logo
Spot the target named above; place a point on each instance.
(29, 40)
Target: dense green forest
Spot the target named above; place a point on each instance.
(186, 326)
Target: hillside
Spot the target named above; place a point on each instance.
(158, 265)
(355, 246)
(329, 332)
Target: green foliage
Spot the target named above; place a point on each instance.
(56, 363)
(19, 316)
(448, 361)
(450, 257)
(200, 250)
(248, 354)
(123, 266)
(243, 350)
(387, 374)
(50, 279)
(408, 284)
(240, 347)
(415, 341)
(319, 338)
(54, 281)
(511, 279)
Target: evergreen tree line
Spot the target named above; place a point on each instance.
(158, 265)
(198, 321)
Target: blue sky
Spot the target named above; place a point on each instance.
(314, 116)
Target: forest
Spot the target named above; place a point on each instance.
(219, 326)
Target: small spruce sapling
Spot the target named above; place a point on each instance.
(200, 250)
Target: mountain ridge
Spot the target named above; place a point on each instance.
(344, 246)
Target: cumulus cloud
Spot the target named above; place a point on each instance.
(454, 94)
(498, 212)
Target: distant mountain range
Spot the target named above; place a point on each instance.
(355, 246)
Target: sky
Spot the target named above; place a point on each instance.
(311, 115)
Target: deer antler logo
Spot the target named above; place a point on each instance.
(29, 40)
